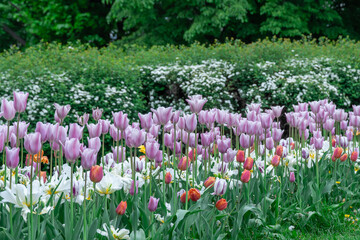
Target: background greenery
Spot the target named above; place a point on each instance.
(134, 79)
(161, 22)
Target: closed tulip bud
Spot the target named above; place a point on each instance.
(220, 187)
(292, 145)
(337, 152)
(121, 208)
(62, 111)
(184, 163)
(240, 156)
(20, 101)
(153, 204)
(305, 153)
(12, 157)
(221, 204)
(96, 173)
(132, 188)
(292, 177)
(183, 197)
(354, 156)
(248, 164)
(83, 120)
(88, 158)
(94, 143)
(245, 176)
(269, 143)
(279, 150)
(333, 142)
(275, 161)
(168, 178)
(194, 194)
(97, 113)
(209, 182)
(32, 143)
(343, 157)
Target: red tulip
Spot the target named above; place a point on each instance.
(221, 204)
(121, 208)
(194, 194)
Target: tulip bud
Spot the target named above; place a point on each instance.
(337, 152)
(240, 156)
(221, 204)
(96, 173)
(12, 157)
(333, 142)
(194, 194)
(220, 187)
(275, 161)
(153, 204)
(343, 157)
(279, 150)
(132, 188)
(168, 178)
(121, 208)
(292, 177)
(183, 197)
(354, 156)
(249, 162)
(184, 163)
(97, 113)
(209, 182)
(245, 176)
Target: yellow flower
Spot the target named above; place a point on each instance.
(142, 149)
(329, 172)
(338, 182)
(347, 215)
(312, 155)
(357, 133)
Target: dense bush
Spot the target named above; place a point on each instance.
(134, 78)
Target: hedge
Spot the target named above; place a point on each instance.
(134, 78)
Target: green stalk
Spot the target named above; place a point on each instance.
(51, 157)
(71, 197)
(31, 198)
(85, 233)
(187, 172)
(265, 189)
(4, 150)
(175, 169)
(17, 145)
(317, 169)
(103, 149)
(195, 159)
(117, 148)
(22, 154)
(163, 162)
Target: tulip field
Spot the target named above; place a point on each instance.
(170, 174)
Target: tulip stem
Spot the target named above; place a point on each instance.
(4, 150)
(17, 144)
(85, 233)
(31, 197)
(117, 148)
(317, 169)
(163, 161)
(51, 157)
(265, 189)
(174, 165)
(103, 149)
(71, 196)
(195, 158)
(187, 172)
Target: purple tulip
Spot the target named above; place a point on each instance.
(315, 106)
(2, 141)
(230, 155)
(152, 149)
(134, 137)
(154, 130)
(318, 143)
(153, 204)
(20, 101)
(202, 117)
(105, 125)
(75, 131)
(175, 116)
(83, 120)
(56, 117)
(329, 124)
(243, 125)
(269, 143)
(13, 140)
(43, 129)
(223, 144)
(94, 130)
(132, 188)
(97, 113)
(12, 157)
(356, 110)
(207, 139)
(120, 150)
(61, 134)
(340, 115)
(159, 157)
(349, 135)
(254, 107)
(220, 187)
(251, 127)
(121, 120)
(343, 125)
(32, 143)
(196, 104)
(277, 133)
(190, 123)
(62, 111)
(344, 142)
(146, 121)
(23, 126)
(72, 149)
(222, 117)
(277, 111)
(94, 143)
(163, 114)
(244, 140)
(265, 120)
(292, 177)
(114, 133)
(8, 110)
(88, 158)
(330, 108)
(139, 165)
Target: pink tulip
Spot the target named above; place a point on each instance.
(75, 131)
(88, 158)
(12, 157)
(196, 104)
(32, 143)
(94, 130)
(8, 110)
(20, 100)
(43, 129)
(163, 114)
(121, 120)
(153, 204)
(83, 120)
(105, 125)
(97, 113)
(94, 143)
(62, 111)
(146, 121)
(72, 149)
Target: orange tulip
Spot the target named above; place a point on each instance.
(354, 156)
(275, 161)
(183, 197)
(184, 163)
(343, 157)
(121, 208)
(194, 194)
(209, 182)
(43, 175)
(168, 178)
(337, 152)
(221, 204)
(240, 156)
(248, 164)
(279, 150)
